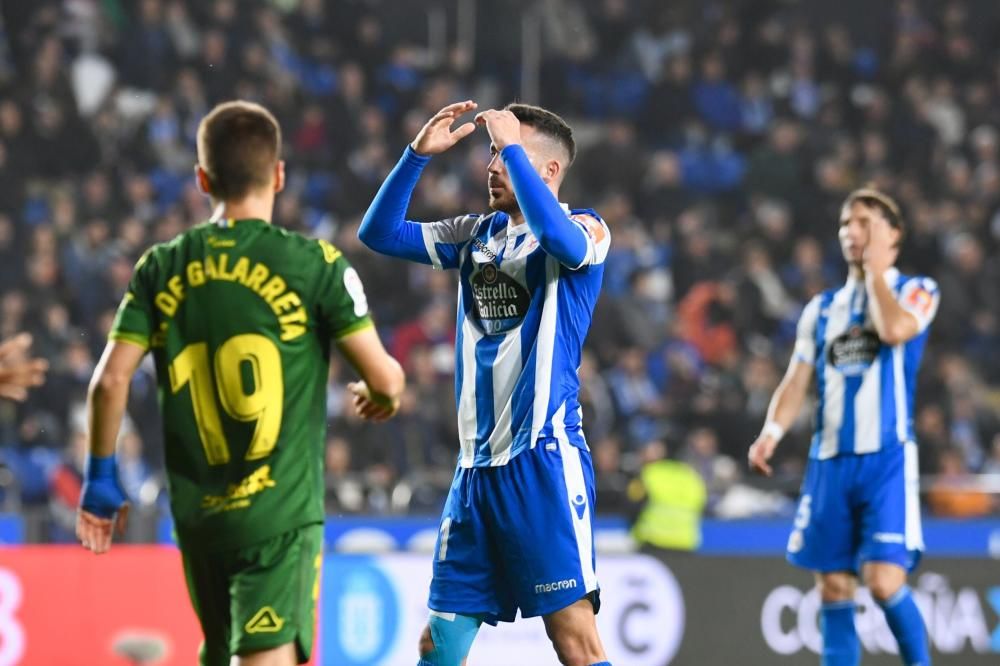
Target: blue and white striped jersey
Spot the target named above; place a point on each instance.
(522, 320)
(865, 388)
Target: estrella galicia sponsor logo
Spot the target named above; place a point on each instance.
(501, 301)
(361, 613)
(556, 586)
(854, 352)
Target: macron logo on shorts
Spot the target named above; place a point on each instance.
(580, 504)
(888, 537)
(567, 584)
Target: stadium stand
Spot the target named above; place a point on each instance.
(717, 139)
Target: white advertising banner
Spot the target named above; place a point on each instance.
(374, 608)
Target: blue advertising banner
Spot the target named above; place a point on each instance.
(944, 538)
(11, 529)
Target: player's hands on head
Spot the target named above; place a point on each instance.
(760, 453)
(880, 252)
(103, 509)
(369, 407)
(437, 135)
(503, 126)
(19, 372)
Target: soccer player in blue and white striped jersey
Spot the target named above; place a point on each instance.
(859, 511)
(516, 528)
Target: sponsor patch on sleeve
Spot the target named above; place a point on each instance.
(920, 302)
(352, 282)
(594, 227)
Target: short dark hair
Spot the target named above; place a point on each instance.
(238, 145)
(548, 123)
(874, 198)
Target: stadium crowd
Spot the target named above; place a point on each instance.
(717, 139)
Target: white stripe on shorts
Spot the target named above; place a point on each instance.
(914, 534)
(577, 485)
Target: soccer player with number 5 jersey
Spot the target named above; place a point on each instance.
(516, 530)
(859, 512)
(239, 316)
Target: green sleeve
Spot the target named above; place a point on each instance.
(134, 319)
(341, 301)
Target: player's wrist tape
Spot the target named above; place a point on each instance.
(774, 430)
(102, 494)
(101, 467)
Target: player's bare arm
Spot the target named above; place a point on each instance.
(892, 322)
(103, 505)
(437, 135)
(376, 396)
(781, 413)
(18, 371)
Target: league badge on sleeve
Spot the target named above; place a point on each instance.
(920, 302)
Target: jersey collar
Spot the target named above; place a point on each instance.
(229, 222)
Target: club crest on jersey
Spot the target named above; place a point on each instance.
(500, 301)
(854, 352)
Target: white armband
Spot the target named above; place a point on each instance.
(773, 429)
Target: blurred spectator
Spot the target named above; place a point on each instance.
(701, 452)
(954, 492)
(611, 481)
(639, 405)
(718, 145)
(992, 465)
(706, 317)
(672, 497)
(774, 169)
(433, 329)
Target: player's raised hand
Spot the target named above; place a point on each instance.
(880, 250)
(760, 453)
(437, 135)
(503, 126)
(370, 407)
(18, 372)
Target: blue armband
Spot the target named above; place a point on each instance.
(557, 235)
(102, 493)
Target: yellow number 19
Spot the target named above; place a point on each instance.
(263, 403)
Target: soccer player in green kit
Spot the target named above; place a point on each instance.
(239, 316)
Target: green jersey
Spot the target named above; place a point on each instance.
(239, 316)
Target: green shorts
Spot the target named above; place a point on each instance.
(256, 598)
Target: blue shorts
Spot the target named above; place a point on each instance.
(859, 508)
(518, 536)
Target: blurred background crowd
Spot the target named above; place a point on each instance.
(717, 138)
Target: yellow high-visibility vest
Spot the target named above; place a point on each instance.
(675, 495)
